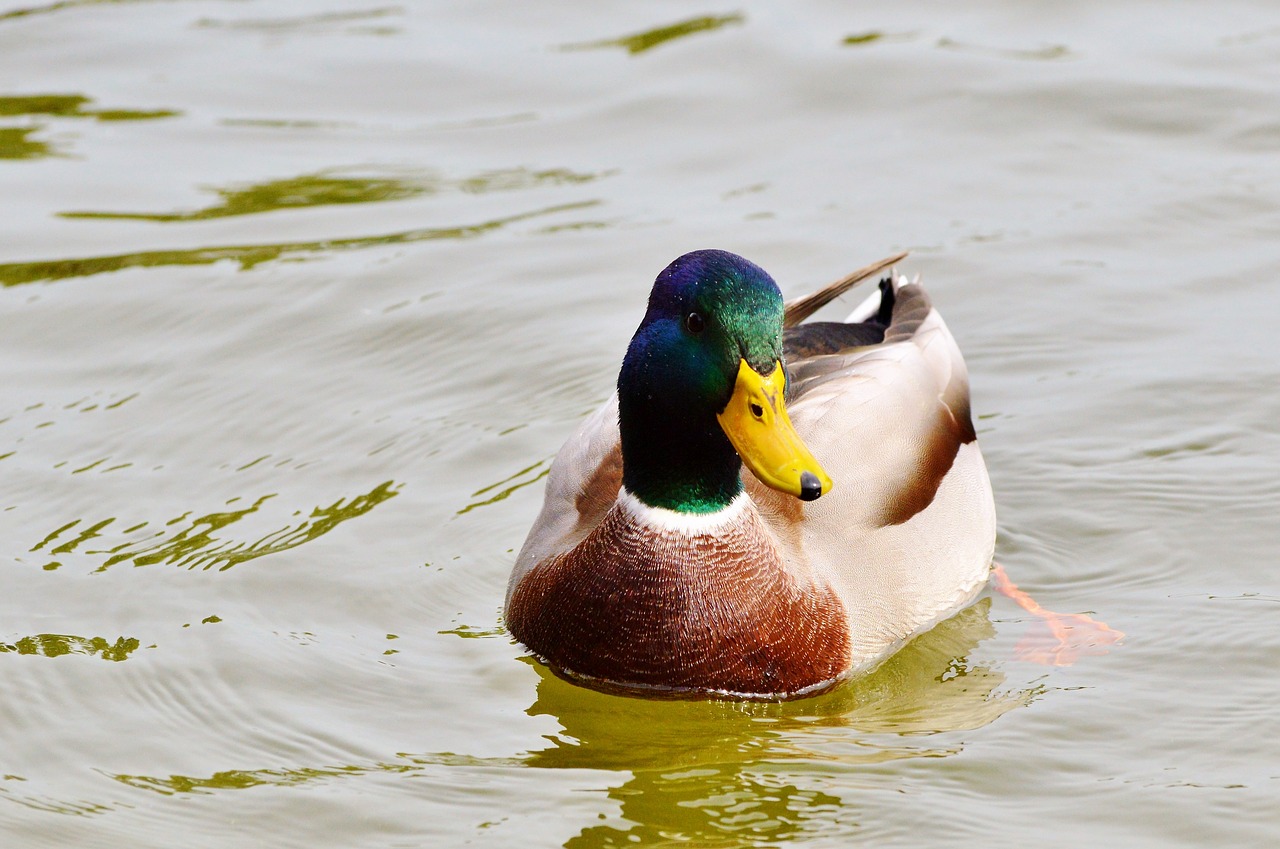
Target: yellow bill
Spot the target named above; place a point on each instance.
(756, 422)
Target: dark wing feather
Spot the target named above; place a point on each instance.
(798, 309)
(834, 337)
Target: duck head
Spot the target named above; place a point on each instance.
(701, 390)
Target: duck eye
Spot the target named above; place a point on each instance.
(694, 323)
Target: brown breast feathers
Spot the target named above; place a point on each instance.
(633, 606)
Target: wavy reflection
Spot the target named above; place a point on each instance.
(246, 779)
(249, 256)
(200, 543)
(294, 193)
(73, 106)
(715, 773)
(329, 189)
(56, 645)
(525, 477)
(16, 143)
(323, 22)
(48, 8)
(48, 805)
(648, 39)
(239, 779)
(707, 773)
(875, 36)
(1047, 53)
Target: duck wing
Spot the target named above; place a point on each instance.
(907, 532)
(889, 416)
(582, 484)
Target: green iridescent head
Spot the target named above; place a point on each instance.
(714, 325)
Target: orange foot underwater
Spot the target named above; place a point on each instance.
(1070, 634)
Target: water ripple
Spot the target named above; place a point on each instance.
(199, 543)
(56, 645)
(332, 188)
(48, 8)
(249, 256)
(16, 143)
(73, 106)
(321, 23)
(530, 475)
(639, 42)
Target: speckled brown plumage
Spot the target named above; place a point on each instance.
(636, 606)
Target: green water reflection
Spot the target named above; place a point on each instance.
(530, 474)
(56, 645)
(16, 143)
(47, 805)
(875, 37)
(328, 189)
(238, 779)
(648, 39)
(322, 21)
(248, 256)
(1040, 54)
(717, 773)
(28, 11)
(199, 543)
(72, 106)
(294, 193)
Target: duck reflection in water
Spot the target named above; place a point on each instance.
(713, 773)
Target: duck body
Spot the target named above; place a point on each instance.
(657, 565)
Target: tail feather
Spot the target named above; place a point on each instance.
(798, 309)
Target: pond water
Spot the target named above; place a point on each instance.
(297, 301)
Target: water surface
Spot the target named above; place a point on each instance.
(297, 302)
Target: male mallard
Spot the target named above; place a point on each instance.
(655, 566)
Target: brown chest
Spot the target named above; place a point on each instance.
(634, 607)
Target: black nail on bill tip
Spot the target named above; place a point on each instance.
(810, 486)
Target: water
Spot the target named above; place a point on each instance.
(298, 302)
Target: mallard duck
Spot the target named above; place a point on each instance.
(866, 517)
